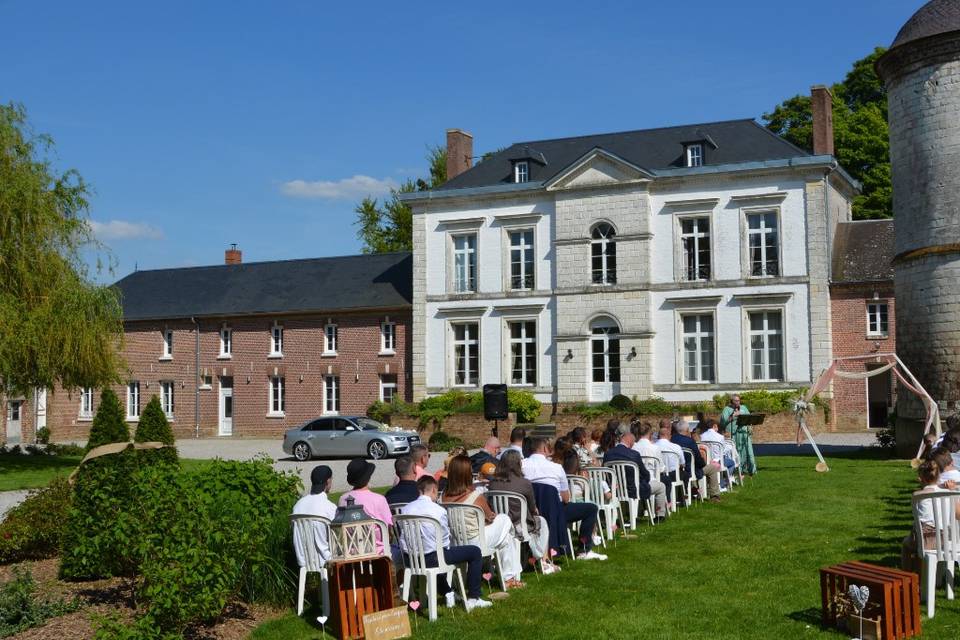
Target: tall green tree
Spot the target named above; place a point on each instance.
(389, 226)
(56, 326)
(861, 142)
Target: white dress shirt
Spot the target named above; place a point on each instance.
(314, 504)
(424, 506)
(537, 468)
(646, 448)
(711, 435)
(670, 462)
(512, 447)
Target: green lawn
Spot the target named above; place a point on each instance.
(30, 472)
(746, 568)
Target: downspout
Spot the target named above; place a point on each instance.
(826, 205)
(196, 400)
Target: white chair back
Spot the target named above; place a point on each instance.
(654, 466)
(623, 471)
(947, 527)
(597, 476)
(500, 502)
(461, 518)
(582, 488)
(715, 449)
(304, 539)
(673, 459)
(689, 460)
(412, 530)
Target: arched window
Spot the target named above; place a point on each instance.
(605, 350)
(603, 253)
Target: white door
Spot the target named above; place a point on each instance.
(41, 408)
(604, 359)
(14, 409)
(226, 406)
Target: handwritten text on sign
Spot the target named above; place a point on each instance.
(386, 625)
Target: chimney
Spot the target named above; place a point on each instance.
(232, 255)
(459, 152)
(821, 102)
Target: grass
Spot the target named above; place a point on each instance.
(746, 568)
(19, 471)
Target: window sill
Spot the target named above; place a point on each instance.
(169, 417)
(225, 356)
(275, 356)
(165, 358)
(132, 418)
(877, 336)
(276, 415)
(387, 352)
(328, 354)
(331, 413)
(85, 418)
(205, 387)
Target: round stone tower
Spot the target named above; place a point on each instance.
(922, 75)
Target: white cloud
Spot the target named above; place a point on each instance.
(123, 230)
(345, 189)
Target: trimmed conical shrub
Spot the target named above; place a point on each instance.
(154, 427)
(109, 424)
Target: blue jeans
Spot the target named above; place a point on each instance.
(456, 555)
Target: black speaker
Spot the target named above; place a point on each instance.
(495, 402)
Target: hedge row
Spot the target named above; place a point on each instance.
(437, 408)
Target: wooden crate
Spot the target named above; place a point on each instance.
(358, 587)
(894, 596)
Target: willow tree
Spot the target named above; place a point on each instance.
(57, 327)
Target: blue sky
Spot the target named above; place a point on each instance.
(200, 124)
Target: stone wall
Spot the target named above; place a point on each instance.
(469, 427)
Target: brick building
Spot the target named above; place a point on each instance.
(862, 307)
(251, 349)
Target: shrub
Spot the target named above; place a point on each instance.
(69, 450)
(524, 404)
(43, 435)
(761, 400)
(621, 403)
(441, 441)
(34, 528)
(379, 411)
(109, 424)
(21, 609)
(154, 427)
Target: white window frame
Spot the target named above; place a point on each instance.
(470, 282)
(521, 171)
(86, 403)
(698, 336)
(168, 398)
(696, 236)
(167, 349)
(277, 397)
(226, 342)
(878, 320)
(603, 242)
(694, 155)
(388, 385)
(388, 337)
(133, 400)
(763, 232)
(331, 336)
(613, 331)
(526, 249)
(331, 395)
(276, 341)
(526, 343)
(748, 334)
(469, 340)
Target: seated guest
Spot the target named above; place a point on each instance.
(710, 432)
(667, 446)
(608, 440)
(928, 474)
(374, 505)
(426, 505)
(537, 468)
(316, 503)
(949, 476)
(581, 447)
(594, 443)
(642, 431)
(516, 441)
(509, 477)
(406, 489)
(421, 458)
(489, 453)
(527, 447)
(562, 448)
(499, 528)
(441, 475)
(952, 444)
(624, 452)
(682, 439)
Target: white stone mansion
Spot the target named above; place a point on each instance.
(677, 262)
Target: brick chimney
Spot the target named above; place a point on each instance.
(459, 152)
(821, 101)
(232, 255)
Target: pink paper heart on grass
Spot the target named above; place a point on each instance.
(487, 576)
(414, 604)
(553, 553)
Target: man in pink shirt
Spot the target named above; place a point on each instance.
(374, 505)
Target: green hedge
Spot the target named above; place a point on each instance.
(438, 408)
(34, 528)
(758, 401)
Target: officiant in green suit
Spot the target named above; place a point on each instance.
(742, 434)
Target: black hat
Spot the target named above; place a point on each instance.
(359, 472)
(319, 477)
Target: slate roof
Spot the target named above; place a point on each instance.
(311, 285)
(863, 251)
(728, 142)
(933, 18)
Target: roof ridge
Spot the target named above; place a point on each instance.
(620, 133)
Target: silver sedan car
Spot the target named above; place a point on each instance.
(346, 436)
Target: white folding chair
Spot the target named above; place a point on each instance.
(655, 468)
(304, 539)
(412, 530)
(728, 444)
(716, 455)
(625, 470)
(945, 553)
(690, 460)
(599, 478)
(582, 485)
(673, 459)
(460, 517)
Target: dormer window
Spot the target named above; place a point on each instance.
(521, 171)
(694, 155)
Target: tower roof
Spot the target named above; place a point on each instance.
(933, 18)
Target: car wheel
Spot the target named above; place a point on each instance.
(377, 449)
(301, 451)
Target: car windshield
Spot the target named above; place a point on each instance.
(368, 425)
